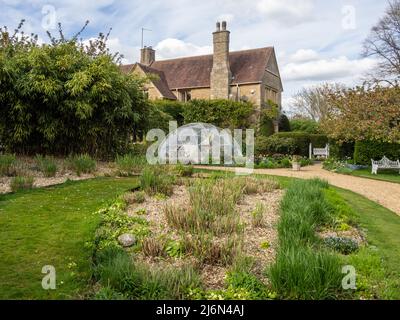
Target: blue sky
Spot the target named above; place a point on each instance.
(315, 40)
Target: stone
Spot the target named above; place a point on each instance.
(127, 240)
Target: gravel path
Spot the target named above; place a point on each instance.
(386, 194)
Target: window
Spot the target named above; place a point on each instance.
(185, 95)
(271, 94)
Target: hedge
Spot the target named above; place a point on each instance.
(274, 145)
(366, 150)
(341, 151)
(303, 140)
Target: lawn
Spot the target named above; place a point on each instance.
(386, 175)
(60, 221)
(383, 233)
(50, 227)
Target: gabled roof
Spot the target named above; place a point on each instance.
(160, 83)
(247, 66)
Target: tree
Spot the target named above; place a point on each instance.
(284, 123)
(301, 124)
(384, 44)
(364, 113)
(65, 97)
(312, 102)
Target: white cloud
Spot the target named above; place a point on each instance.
(304, 55)
(327, 69)
(173, 48)
(287, 11)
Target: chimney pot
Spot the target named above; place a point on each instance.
(218, 26)
(147, 55)
(223, 25)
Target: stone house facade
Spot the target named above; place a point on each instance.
(249, 75)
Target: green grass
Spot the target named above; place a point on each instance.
(121, 276)
(385, 175)
(302, 269)
(50, 227)
(383, 232)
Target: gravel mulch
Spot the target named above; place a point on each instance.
(214, 276)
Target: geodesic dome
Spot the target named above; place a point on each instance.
(196, 143)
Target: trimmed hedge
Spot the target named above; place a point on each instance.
(302, 141)
(366, 150)
(274, 145)
(341, 151)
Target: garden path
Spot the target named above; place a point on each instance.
(385, 193)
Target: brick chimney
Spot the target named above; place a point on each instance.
(221, 72)
(147, 56)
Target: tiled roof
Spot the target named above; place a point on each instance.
(247, 66)
(160, 83)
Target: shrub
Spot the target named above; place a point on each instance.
(304, 162)
(130, 164)
(138, 149)
(257, 216)
(47, 165)
(274, 144)
(157, 118)
(284, 124)
(208, 251)
(81, 164)
(184, 171)
(21, 183)
(7, 162)
(252, 288)
(175, 249)
(108, 294)
(302, 141)
(154, 180)
(135, 197)
(86, 106)
(342, 245)
(304, 125)
(341, 151)
(367, 150)
(256, 185)
(174, 109)
(153, 247)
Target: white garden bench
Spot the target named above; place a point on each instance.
(385, 163)
(319, 152)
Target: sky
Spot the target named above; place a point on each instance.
(316, 41)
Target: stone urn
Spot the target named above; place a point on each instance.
(296, 165)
